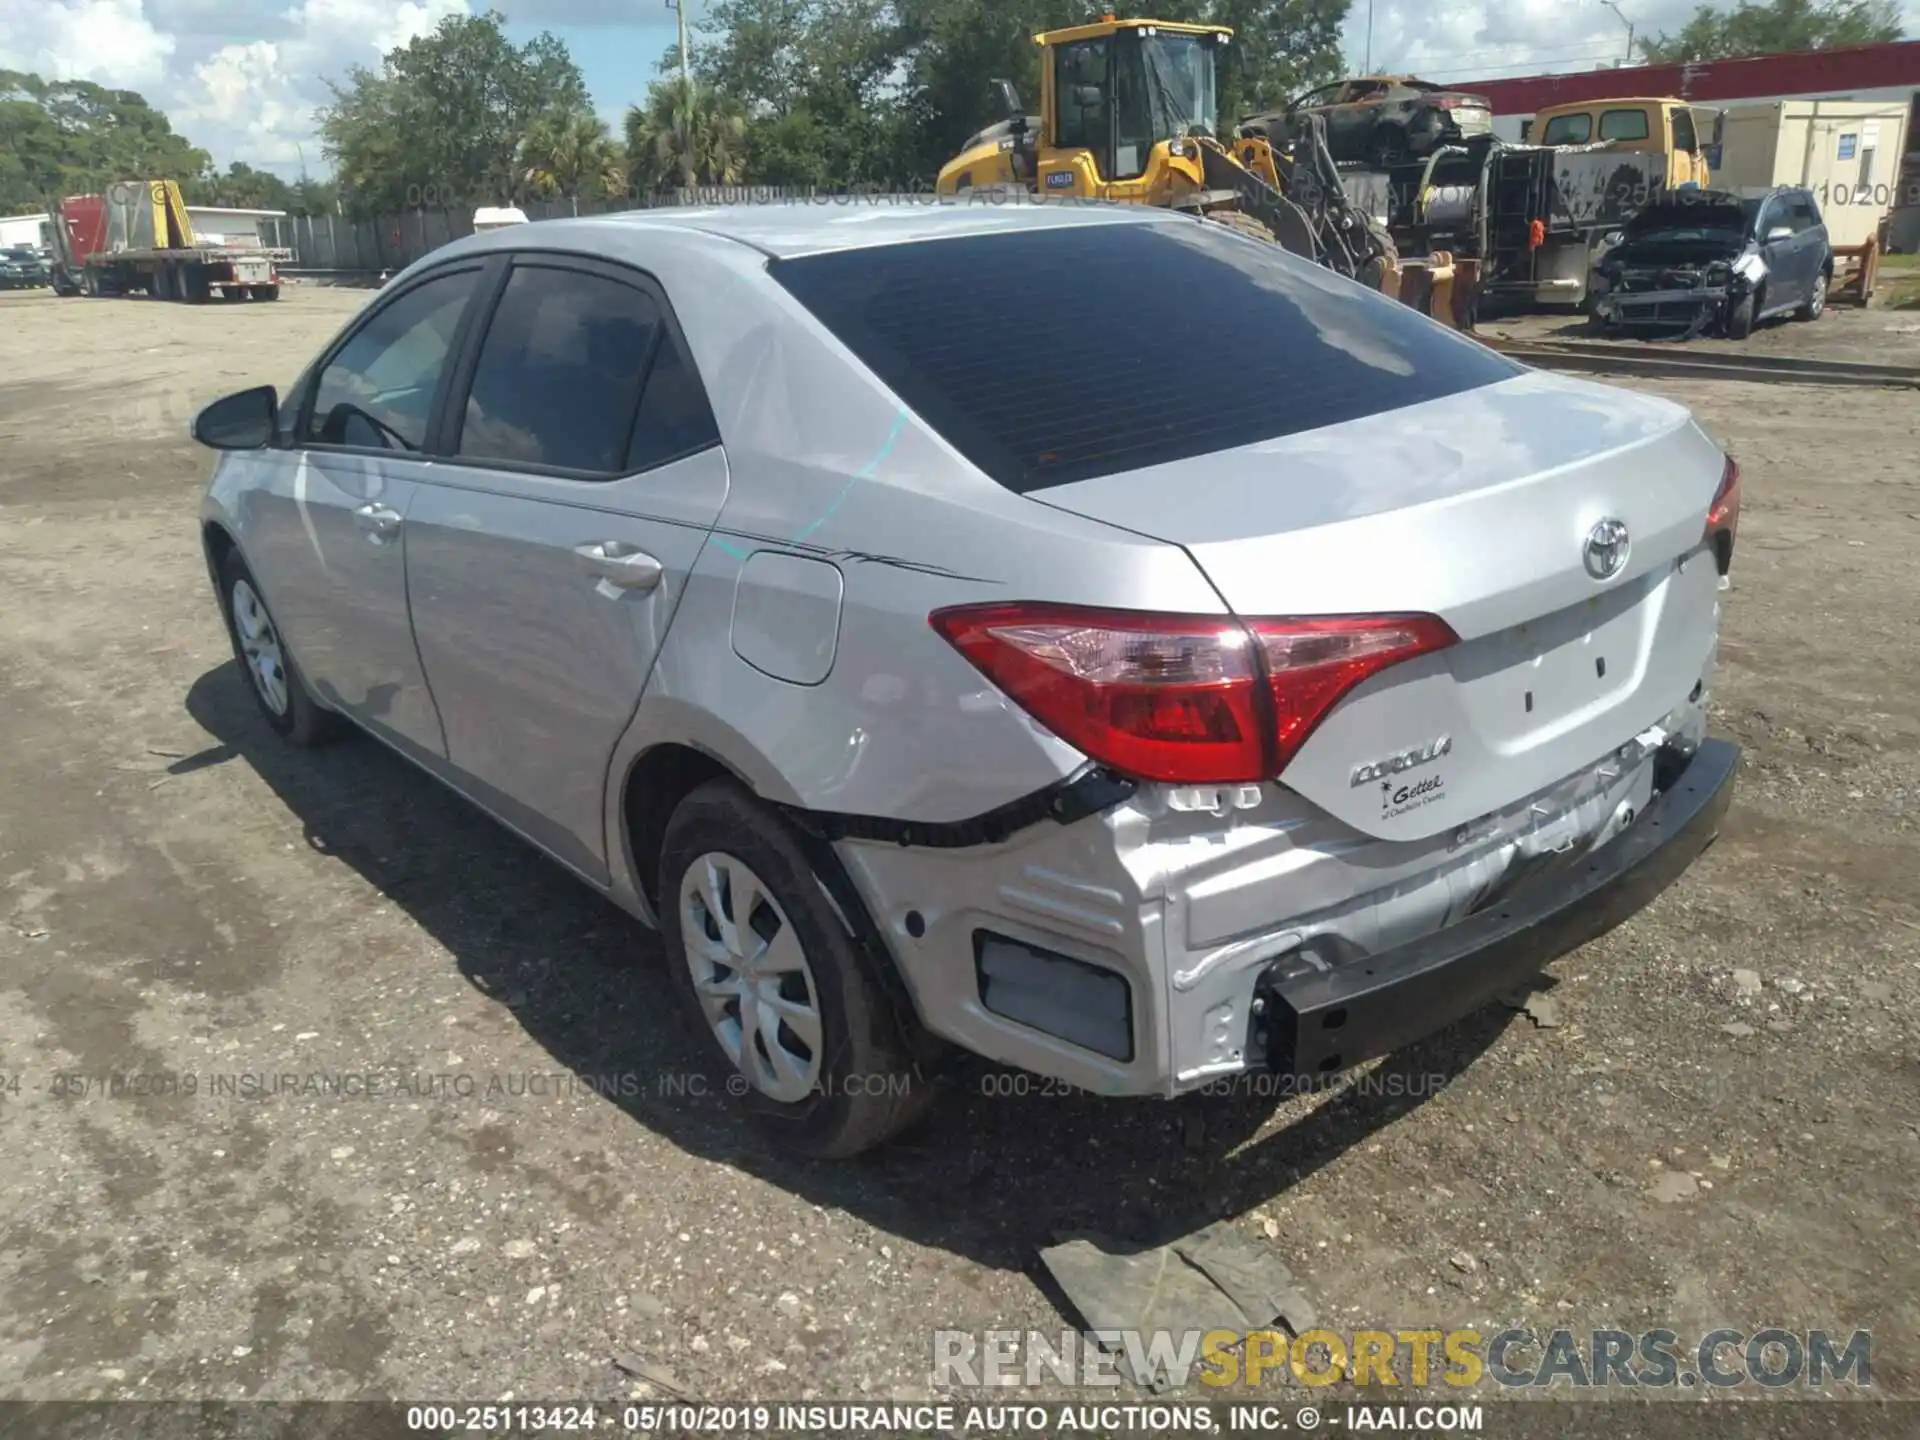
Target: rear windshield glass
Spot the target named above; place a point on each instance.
(1053, 355)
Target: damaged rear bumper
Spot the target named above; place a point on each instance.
(1318, 1021)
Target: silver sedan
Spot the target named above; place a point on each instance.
(1078, 635)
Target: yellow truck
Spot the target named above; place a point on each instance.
(1642, 125)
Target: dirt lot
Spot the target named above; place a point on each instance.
(1723, 1128)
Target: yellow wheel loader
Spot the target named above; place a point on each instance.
(1128, 112)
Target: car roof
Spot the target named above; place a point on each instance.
(1603, 102)
(787, 229)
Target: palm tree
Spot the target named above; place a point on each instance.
(569, 154)
(684, 136)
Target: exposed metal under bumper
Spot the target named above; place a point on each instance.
(1319, 1022)
(1659, 307)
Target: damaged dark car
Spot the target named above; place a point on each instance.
(1710, 260)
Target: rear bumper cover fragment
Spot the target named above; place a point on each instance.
(1322, 1021)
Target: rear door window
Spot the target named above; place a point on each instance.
(1052, 355)
(1568, 130)
(558, 377)
(1623, 125)
(675, 419)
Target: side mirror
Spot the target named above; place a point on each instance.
(244, 420)
(1779, 232)
(1010, 101)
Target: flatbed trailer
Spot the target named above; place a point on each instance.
(193, 272)
(137, 238)
(1535, 217)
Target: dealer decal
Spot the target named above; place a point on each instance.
(1398, 799)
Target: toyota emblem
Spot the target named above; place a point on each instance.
(1605, 553)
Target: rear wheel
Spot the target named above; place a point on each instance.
(1817, 301)
(264, 292)
(775, 981)
(1374, 270)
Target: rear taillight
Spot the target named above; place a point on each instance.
(1310, 664)
(1723, 515)
(1186, 699)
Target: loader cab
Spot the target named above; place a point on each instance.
(1112, 97)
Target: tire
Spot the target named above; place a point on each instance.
(1817, 302)
(1740, 317)
(1242, 223)
(843, 1081)
(264, 292)
(289, 707)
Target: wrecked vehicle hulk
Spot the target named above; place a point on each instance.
(1696, 260)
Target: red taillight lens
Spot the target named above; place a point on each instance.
(1161, 697)
(1723, 515)
(1312, 663)
(1186, 699)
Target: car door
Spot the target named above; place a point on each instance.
(1322, 102)
(324, 536)
(546, 555)
(1351, 118)
(1782, 285)
(1810, 242)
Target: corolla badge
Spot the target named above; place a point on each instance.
(1605, 553)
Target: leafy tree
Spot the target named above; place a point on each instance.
(572, 155)
(63, 137)
(444, 119)
(684, 135)
(242, 187)
(817, 82)
(1775, 26)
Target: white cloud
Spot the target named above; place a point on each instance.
(239, 79)
(1456, 40)
(107, 41)
(254, 100)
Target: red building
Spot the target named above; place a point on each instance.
(1867, 72)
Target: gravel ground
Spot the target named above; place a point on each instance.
(1720, 1126)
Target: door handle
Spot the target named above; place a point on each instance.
(620, 564)
(379, 521)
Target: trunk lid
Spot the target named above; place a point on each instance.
(1477, 508)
